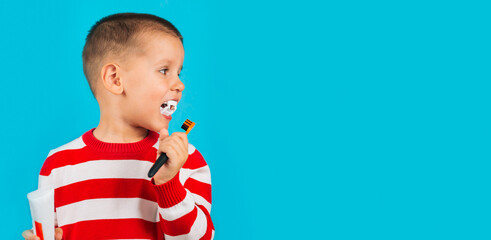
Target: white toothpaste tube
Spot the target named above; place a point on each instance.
(42, 204)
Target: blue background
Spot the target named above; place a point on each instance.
(334, 120)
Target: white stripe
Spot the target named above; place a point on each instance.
(197, 230)
(45, 182)
(156, 145)
(201, 174)
(212, 234)
(184, 207)
(202, 201)
(191, 149)
(100, 169)
(107, 208)
(75, 144)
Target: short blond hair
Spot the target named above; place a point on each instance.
(117, 35)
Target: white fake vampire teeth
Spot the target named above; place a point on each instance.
(168, 108)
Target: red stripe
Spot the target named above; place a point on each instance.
(111, 229)
(85, 154)
(209, 224)
(170, 193)
(195, 160)
(200, 188)
(104, 188)
(39, 230)
(181, 225)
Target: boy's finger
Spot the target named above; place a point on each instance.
(58, 234)
(163, 133)
(173, 141)
(183, 139)
(29, 235)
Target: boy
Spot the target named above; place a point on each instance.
(132, 63)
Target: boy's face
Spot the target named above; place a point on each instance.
(150, 79)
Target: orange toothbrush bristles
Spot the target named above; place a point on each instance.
(187, 126)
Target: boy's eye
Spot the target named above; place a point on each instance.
(164, 70)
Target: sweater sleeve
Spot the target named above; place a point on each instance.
(46, 178)
(184, 210)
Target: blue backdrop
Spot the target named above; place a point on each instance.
(334, 120)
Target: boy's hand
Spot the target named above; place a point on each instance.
(176, 148)
(29, 234)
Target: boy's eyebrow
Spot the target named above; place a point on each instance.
(166, 60)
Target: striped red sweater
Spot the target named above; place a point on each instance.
(102, 192)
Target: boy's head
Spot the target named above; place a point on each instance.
(132, 63)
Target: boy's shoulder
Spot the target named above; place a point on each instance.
(77, 143)
(55, 154)
(195, 159)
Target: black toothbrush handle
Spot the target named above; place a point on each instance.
(156, 166)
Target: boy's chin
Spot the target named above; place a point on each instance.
(160, 125)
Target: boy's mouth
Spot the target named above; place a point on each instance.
(168, 107)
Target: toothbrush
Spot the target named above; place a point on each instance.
(186, 126)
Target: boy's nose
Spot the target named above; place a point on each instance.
(178, 85)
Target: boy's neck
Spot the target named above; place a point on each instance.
(119, 133)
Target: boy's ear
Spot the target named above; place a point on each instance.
(111, 78)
